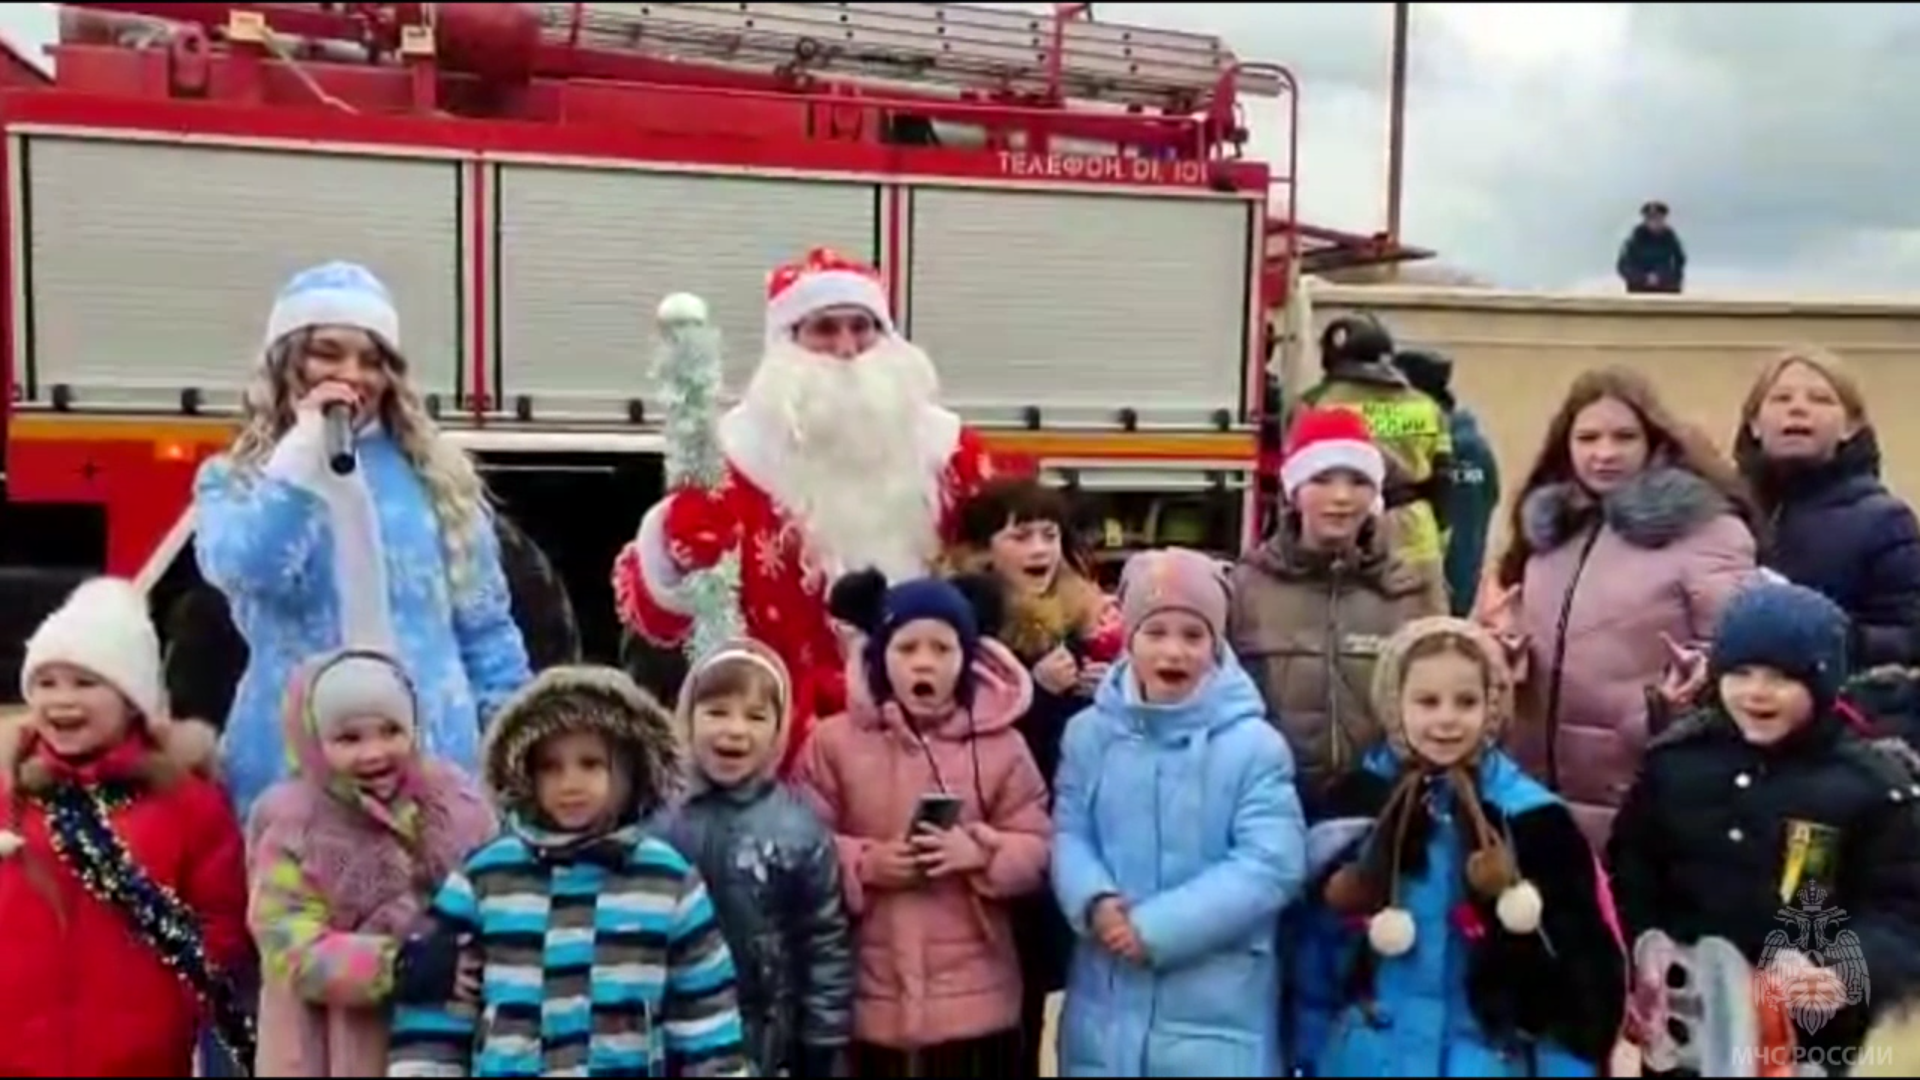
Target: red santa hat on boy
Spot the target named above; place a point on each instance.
(1323, 440)
(823, 279)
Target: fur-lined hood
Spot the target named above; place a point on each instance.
(1390, 673)
(1660, 506)
(181, 747)
(583, 697)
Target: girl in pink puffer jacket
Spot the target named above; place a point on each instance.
(933, 704)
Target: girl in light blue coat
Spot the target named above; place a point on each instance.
(1481, 939)
(398, 554)
(1178, 840)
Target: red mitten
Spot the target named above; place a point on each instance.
(701, 528)
(1109, 637)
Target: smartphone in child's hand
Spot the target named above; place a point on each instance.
(937, 811)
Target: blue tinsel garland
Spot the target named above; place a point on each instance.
(688, 369)
(84, 839)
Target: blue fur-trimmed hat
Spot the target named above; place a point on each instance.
(1789, 628)
(335, 294)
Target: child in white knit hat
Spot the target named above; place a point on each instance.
(122, 877)
(345, 856)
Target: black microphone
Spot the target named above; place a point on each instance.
(339, 420)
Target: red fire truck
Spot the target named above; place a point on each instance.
(1061, 206)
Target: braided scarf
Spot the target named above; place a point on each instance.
(85, 840)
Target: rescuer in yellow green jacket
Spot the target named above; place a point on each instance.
(1356, 361)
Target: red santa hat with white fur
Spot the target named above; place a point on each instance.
(824, 279)
(1322, 440)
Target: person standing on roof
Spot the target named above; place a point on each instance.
(1473, 489)
(398, 554)
(1652, 260)
(1356, 357)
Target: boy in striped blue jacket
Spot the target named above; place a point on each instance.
(598, 948)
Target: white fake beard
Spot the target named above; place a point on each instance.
(853, 475)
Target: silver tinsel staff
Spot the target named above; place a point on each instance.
(688, 369)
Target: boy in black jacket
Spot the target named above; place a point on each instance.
(1766, 811)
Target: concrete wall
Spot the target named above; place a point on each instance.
(1516, 353)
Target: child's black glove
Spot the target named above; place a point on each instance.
(426, 969)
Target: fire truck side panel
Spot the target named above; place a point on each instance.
(149, 267)
(1083, 304)
(585, 253)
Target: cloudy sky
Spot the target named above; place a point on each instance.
(1536, 130)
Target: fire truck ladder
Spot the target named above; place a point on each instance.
(1054, 57)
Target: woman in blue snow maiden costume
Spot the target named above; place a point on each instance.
(1479, 939)
(399, 553)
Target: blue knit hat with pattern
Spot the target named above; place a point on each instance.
(1789, 628)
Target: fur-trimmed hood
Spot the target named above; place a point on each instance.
(585, 697)
(1390, 673)
(1661, 505)
(179, 747)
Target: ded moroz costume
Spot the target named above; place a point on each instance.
(833, 465)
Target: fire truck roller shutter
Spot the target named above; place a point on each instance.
(586, 253)
(1084, 303)
(205, 654)
(140, 291)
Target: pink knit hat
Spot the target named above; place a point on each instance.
(1174, 579)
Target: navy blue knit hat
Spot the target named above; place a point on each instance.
(971, 604)
(1789, 628)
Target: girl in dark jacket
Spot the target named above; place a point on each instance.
(1810, 455)
(1767, 820)
(769, 864)
(1066, 631)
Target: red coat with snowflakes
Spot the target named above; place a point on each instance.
(784, 606)
(80, 993)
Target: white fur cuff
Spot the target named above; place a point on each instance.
(657, 571)
(300, 456)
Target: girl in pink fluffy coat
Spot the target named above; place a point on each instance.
(344, 857)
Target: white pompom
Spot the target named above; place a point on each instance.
(1391, 932)
(1519, 908)
(683, 308)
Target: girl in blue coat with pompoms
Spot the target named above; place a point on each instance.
(1178, 839)
(1482, 940)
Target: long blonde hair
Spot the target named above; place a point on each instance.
(460, 498)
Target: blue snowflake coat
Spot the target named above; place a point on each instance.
(282, 543)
